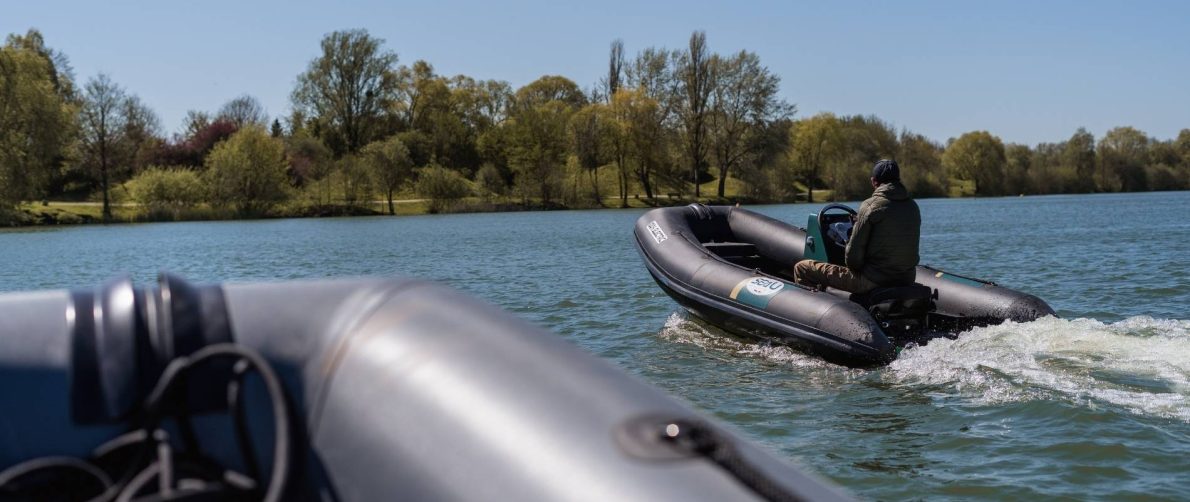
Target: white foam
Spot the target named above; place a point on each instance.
(683, 328)
(1140, 364)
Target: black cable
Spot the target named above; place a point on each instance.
(174, 468)
(280, 474)
(235, 403)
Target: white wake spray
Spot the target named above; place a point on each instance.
(1140, 364)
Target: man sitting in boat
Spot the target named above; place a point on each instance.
(882, 250)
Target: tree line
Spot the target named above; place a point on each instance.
(658, 125)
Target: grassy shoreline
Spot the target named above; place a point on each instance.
(63, 213)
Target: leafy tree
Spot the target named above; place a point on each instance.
(921, 166)
(817, 145)
(60, 73)
(1017, 161)
(247, 172)
(276, 130)
(1123, 154)
(548, 89)
(1078, 162)
(590, 130)
(348, 88)
(309, 159)
(444, 187)
(36, 122)
(489, 180)
(105, 142)
(390, 164)
(641, 124)
(977, 156)
(165, 192)
(192, 149)
(743, 99)
(244, 111)
(412, 84)
(537, 141)
(615, 70)
(354, 179)
(538, 149)
(142, 131)
(1047, 171)
(696, 84)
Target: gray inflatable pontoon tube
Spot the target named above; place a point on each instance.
(396, 388)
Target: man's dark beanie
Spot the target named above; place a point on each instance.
(886, 171)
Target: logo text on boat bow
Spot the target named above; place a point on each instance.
(656, 231)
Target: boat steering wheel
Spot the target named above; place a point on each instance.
(828, 207)
(844, 232)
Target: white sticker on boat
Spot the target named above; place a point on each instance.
(756, 291)
(657, 232)
(763, 286)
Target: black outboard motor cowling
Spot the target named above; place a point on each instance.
(900, 310)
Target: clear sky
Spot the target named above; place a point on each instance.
(1027, 71)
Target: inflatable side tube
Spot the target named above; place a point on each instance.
(410, 390)
(974, 302)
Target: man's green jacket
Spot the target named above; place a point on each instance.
(883, 245)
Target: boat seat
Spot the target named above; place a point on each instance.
(731, 249)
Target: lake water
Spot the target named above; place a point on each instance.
(1093, 405)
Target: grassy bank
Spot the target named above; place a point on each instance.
(331, 205)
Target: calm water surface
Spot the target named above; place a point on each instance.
(1093, 405)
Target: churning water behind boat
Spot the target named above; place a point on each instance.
(1140, 365)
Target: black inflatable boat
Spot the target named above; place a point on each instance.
(733, 267)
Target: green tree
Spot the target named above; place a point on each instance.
(1123, 154)
(348, 89)
(816, 145)
(165, 192)
(1078, 163)
(591, 135)
(921, 166)
(1047, 171)
(978, 157)
(537, 141)
(354, 179)
(489, 180)
(743, 100)
(1017, 164)
(36, 122)
(444, 187)
(105, 123)
(247, 172)
(60, 73)
(615, 70)
(390, 165)
(642, 126)
(693, 69)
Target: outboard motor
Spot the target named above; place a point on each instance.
(901, 311)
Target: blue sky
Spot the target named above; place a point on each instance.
(1028, 72)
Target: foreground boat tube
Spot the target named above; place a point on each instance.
(401, 389)
(673, 243)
